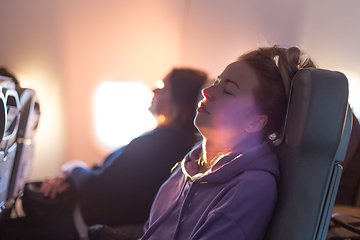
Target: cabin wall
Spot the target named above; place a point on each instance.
(66, 49)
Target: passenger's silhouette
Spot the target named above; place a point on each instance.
(121, 190)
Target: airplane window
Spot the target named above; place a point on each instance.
(353, 77)
(121, 112)
(354, 92)
(355, 100)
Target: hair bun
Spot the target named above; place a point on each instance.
(290, 62)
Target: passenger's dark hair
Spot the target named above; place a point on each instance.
(275, 67)
(185, 86)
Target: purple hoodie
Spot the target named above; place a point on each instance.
(235, 200)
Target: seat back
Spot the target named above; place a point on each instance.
(316, 134)
(4, 168)
(8, 143)
(29, 118)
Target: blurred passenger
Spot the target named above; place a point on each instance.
(122, 189)
(226, 187)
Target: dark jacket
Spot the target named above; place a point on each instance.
(122, 189)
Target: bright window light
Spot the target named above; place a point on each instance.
(354, 90)
(356, 101)
(121, 112)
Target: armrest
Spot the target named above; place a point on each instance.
(344, 226)
(104, 232)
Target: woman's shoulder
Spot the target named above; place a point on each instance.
(158, 137)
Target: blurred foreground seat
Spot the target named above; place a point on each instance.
(19, 116)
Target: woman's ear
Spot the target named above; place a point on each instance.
(257, 124)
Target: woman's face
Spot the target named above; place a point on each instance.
(228, 106)
(161, 103)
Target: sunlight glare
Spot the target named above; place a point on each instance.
(160, 84)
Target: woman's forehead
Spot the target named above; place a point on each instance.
(241, 73)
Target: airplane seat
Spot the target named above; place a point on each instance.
(4, 168)
(314, 141)
(28, 122)
(8, 143)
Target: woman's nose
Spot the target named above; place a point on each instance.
(206, 93)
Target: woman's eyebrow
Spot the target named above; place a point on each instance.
(230, 81)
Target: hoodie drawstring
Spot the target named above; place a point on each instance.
(188, 198)
(163, 217)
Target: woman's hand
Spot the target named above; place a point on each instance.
(58, 184)
(55, 185)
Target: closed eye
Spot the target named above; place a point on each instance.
(217, 81)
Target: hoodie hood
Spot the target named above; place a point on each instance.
(261, 157)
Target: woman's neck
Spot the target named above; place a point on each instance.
(212, 150)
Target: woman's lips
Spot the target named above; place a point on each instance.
(202, 108)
